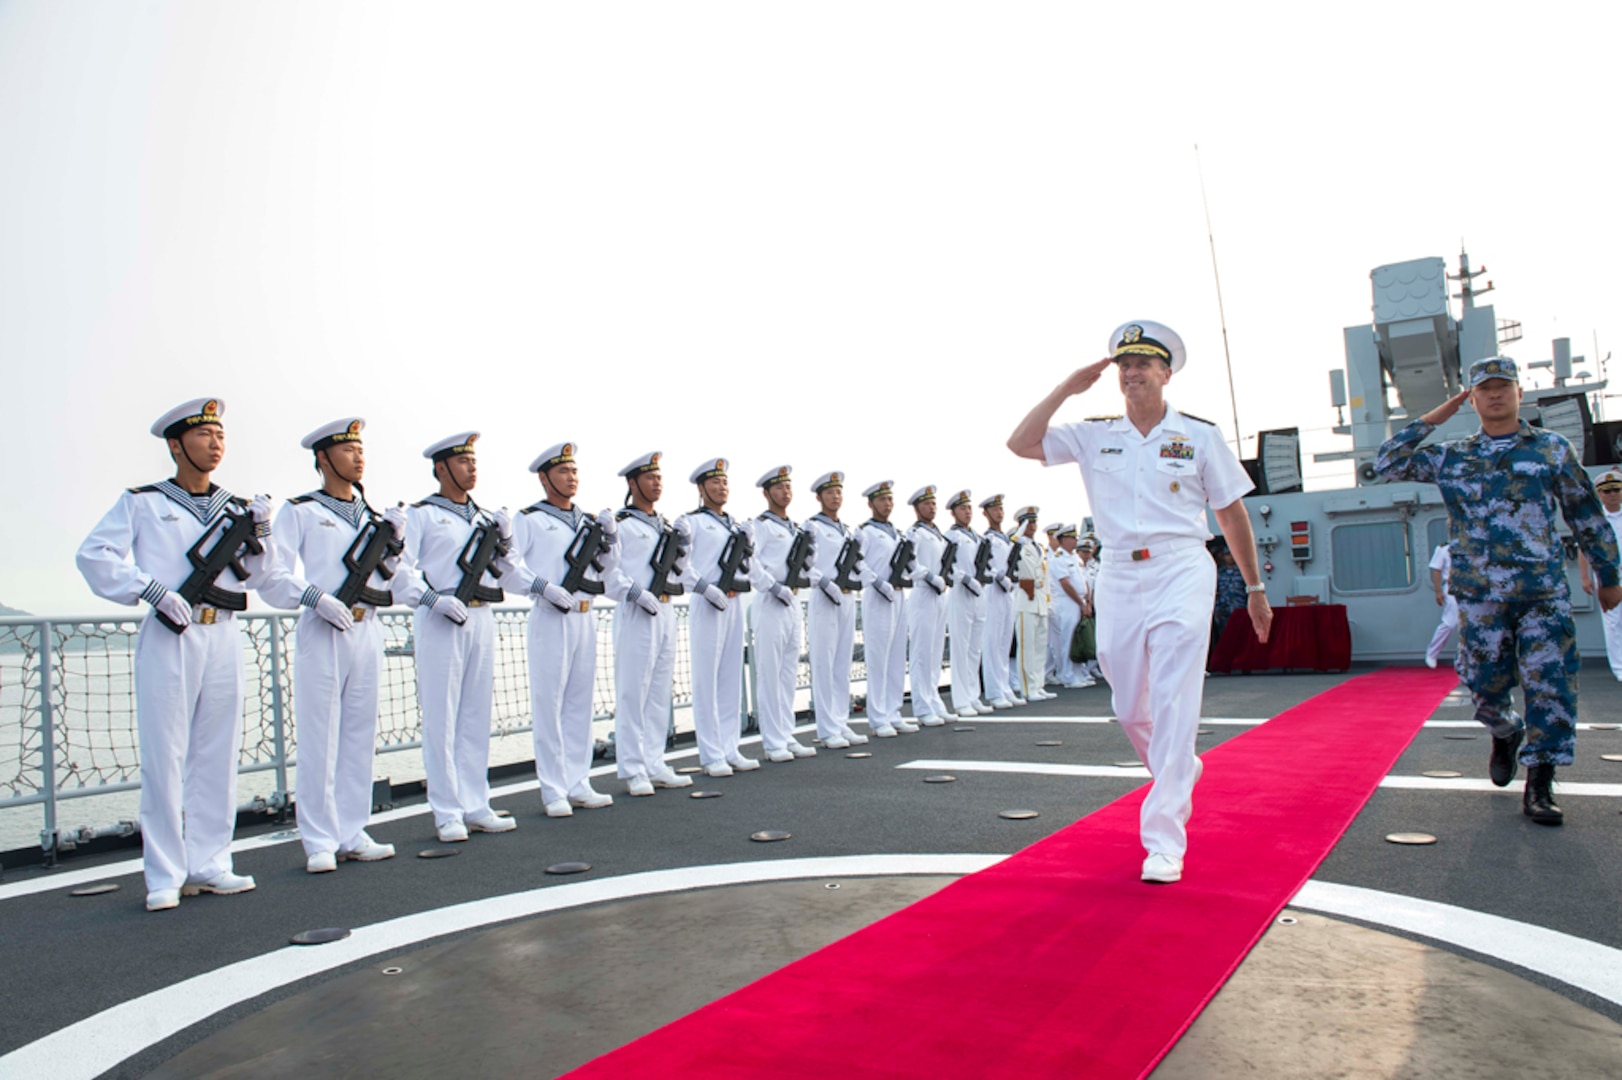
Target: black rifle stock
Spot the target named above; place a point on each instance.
(666, 554)
(948, 562)
(982, 562)
(898, 565)
(1013, 562)
(376, 542)
(845, 565)
(582, 556)
(733, 556)
(482, 547)
(232, 533)
(799, 561)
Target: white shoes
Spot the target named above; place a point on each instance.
(1430, 662)
(838, 742)
(493, 823)
(1162, 869)
(452, 832)
(968, 712)
(853, 738)
(162, 899)
(639, 785)
(779, 756)
(931, 721)
(559, 808)
(666, 777)
(368, 850)
(905, 726)
(884, 731)
(322, 862)
(590, 798)
(718, 768)
(1042, 695)
(799, 749)
(1016, 700)
(740, 763)
(226, 884)
(1079, 684)
(1001, 703)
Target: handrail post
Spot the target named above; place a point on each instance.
(278, 716)
(48, 836)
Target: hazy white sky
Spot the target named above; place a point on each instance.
(856, 235)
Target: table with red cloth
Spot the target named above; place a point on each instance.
(1311, 637)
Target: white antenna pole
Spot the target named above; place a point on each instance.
(1233, 398)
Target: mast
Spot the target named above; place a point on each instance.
(1233, 399)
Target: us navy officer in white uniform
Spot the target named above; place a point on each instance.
(561, 637)
(644, 632)
(1070, 604)
(832, 619)
(926, 611)
(884, 615)
(1031, 610)
(338, 651)
(454, 642)
(715, 625)
(966, 609)
(1609, 489)
(1149, 476)
(779, 628)
(999, 633)
(188, 684)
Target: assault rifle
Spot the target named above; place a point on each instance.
(1013, 562)
(845, 566)
(235, 535)
(482, 547)
(982, 562)
(898, 565)
(583, 553)
(376, 542)
(799, 561)
(733, 556)
(948, 561)
(666, 554)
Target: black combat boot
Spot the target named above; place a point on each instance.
(1502, 766)
(1538, 802)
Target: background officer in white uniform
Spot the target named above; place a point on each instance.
(338, 650)
(884, 616)
(1609, 489)
(188, 684)
(1031, 611)
(1053, 559)
(779, 626)
(455, 642)
(926, 611)
(832, 619)
(999, 635)
(561, 637)
(644, 632)
(1441, 566)
(966, 609)
(715, 627)
(1069, 605)
(1149, 477)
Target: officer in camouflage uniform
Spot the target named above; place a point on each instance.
(1502, 486)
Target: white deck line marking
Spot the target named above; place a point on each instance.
(1586, 965)
(1414, 783)
(92, 1046)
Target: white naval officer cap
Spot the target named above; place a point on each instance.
(828, 480)
(712, 467)
(647, 463)
(925, 492)
(194, 413)
(554, 456)
(1610, 480)
(962, 498)
(1066, 530)
(773, 476)
(883, 487)
(451, 447)
(991, 500)
(1027, 513)
(1053, 529)
(339, 431)
(1144, 338)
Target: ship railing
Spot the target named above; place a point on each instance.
(68, 725)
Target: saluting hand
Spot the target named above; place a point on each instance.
(1261, 615)
(1083, 378)
(1444, 412)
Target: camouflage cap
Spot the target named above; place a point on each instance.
(1494, 367)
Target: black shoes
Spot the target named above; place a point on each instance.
(1502, 766)
(1538, 802)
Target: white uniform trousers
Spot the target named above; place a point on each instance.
(1030, 666)
(562, 649)
(1050, 668)
(779, 632)
(926, 636)
(1450, 622)
(833, 636)
(456, 675)
(188, 716)
(715, 651)
(884, 648)
(1612, 622)
(998, 640)
(1062, 622)
(967, 613)
(1154, 626)
(644, 662)
(335, 680)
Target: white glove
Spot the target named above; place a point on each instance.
(450, 607)
(718, 599)
(504, 523)
(557, 597)
(1005, 583)
(174, 609)
(605, 521)
(260, 509)
(395, 517)
(935, 582)
(329, 608)
(646, 602)
(885, 589)
(831, 591)
(781, 594)
(684, 532)
(972, 583)
(748, 530)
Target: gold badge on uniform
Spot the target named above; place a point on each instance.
(1176, 487)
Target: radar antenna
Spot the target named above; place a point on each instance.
(1233, 399)
(1466, 278)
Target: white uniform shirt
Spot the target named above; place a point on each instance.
(1000, 547)
(1148, 490)
(773, 538)
(1616, 524)
(314, 532)
(830, 537)
(1067, 567)
(711, 531)
(1442, 559)
(542, 535)
(138, 550)
(437, 530)
(879, 541)
(632, 572)
(968, 549)
(1033, 567)
(929, 548)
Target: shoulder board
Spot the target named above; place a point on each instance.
(622, 514)
(1196, 419)
(300, 499)
(142, 490)
(1102, 419)
(424, 502)
(529, 510)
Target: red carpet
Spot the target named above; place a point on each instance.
(1059, 962)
